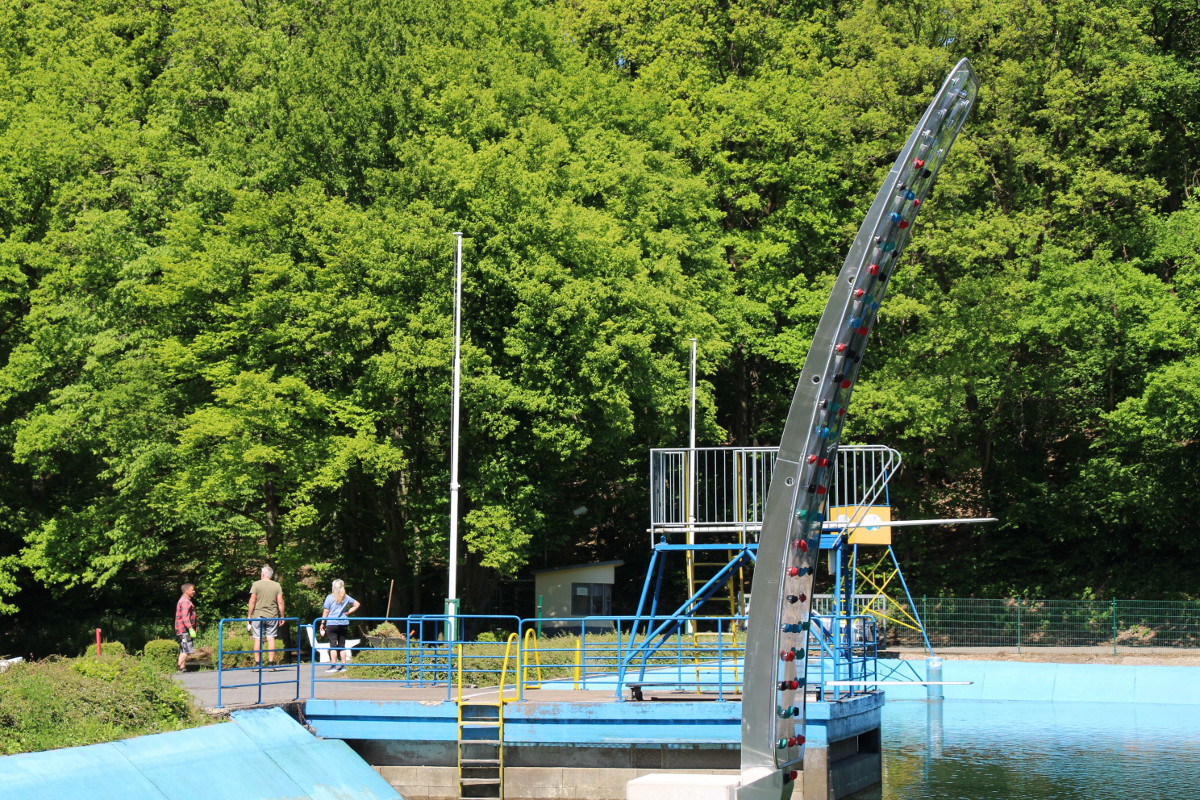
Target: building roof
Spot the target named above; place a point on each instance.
(616, 563)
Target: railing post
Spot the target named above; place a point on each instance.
(1018, 624)
(925, 618)
(1114, 618)
(220, 657)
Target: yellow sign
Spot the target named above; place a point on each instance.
(867, 519)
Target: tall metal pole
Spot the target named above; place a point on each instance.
(693, 486)
(452, 593)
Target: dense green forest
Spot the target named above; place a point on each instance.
(226, 286)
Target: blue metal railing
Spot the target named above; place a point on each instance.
(259, 668)
(592, 653)
(424, 657)
(842, 649)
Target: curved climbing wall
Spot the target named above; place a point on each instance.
(798, 501)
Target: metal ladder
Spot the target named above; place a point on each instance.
(481, 749)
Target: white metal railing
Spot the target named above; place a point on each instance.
(724, 489)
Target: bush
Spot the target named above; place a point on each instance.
(368, 663)
(106, 649)
(64, 702)
(161, 653)
(238, 652)
(385, 629)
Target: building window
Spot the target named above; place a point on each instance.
(591, 599)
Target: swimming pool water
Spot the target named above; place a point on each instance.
(980, 750)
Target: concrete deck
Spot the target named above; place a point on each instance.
(279, 687)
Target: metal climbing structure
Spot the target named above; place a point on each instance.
(777, 646)
(727, 509)
(706, 508)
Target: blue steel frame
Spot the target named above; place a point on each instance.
(426, 657)
(711, 662)
(259, 669)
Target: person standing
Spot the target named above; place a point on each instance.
(266, 606)
(185, 624)
(335, 622)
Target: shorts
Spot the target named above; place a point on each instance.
(185, 643)
(336, 634)
(268, 627)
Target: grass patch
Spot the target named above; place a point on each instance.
(65, 702)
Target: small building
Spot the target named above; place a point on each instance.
(580, 590)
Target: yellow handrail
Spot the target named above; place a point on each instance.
(696, 657)
(458, 648)
(733, 633)
(512, 637)
(537, 658)
(578, 660)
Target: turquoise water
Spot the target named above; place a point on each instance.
(978, 750)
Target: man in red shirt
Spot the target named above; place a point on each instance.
(185, 623)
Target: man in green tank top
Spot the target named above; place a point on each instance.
(266, 604)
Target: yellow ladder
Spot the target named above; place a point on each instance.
(481, 749)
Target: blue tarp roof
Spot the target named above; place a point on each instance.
(260, 754)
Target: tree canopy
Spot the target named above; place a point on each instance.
(226, 301)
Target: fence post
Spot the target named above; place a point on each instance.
(1018, 624)
(1114, 616)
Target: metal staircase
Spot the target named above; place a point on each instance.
(481, 749)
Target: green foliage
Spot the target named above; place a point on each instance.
(387, 629)
(69, 702)
(162, 654)
(106, 649)
(238, 651)
(226, 290)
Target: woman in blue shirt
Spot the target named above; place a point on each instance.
(335, 621)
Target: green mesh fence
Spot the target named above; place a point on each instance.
(1024, 622)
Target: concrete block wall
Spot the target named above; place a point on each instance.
(422, 783)
(527, 783)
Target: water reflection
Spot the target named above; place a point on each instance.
(966, 750)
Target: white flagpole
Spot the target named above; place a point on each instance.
(452, 594)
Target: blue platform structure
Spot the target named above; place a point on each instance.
(706, 506)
